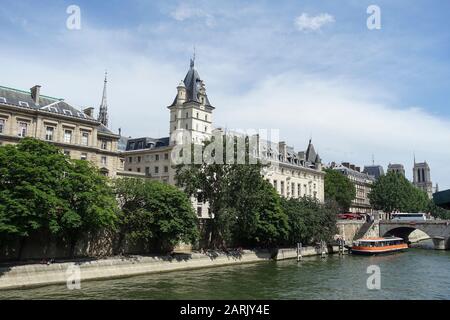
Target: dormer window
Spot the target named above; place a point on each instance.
(24, 104)
(2, 99)
(81, 115)
(54, 109)
(67, 112)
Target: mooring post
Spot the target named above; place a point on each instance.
(322, 246)
(299, 251)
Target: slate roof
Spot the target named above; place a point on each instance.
(23, 99)
(146, 143)
(193, 83)
(375, 171)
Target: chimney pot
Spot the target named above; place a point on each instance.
(89, 112)
(36, 93)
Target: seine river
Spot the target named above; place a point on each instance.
(416, 274)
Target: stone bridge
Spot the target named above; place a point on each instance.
(437, 230)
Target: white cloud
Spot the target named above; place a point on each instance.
(185, 12)
(307, 23)
(346, 122)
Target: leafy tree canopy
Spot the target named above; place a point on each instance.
(339, 188)
(156, 213)
(393, 192)
(42, 189)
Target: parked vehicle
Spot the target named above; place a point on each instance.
(408, 217)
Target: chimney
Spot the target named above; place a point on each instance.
(346, 164)
(35, 93)
(120, 131)
(89, 112)
(352, 166)
(358, 169)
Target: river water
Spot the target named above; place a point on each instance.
(415, 274)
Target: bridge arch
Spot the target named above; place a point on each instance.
(438, 231)
(403, 232)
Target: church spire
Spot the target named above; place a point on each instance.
(103, 113)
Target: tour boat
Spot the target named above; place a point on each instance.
(372, 246)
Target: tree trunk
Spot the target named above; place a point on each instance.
(21, 246)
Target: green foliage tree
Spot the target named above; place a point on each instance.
(260, 220)
(339, 188)
(246, 208)
(310, 221)
(393, 192)
(43, 190)
(155, 213)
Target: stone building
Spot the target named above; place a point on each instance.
(422, 178)
(397, 168)
(363, 184)
(191, 120)
(77, 133)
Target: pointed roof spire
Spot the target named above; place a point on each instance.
(103, 113)
(193, 59)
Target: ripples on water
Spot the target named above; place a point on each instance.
(416, 274)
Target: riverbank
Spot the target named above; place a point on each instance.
(33, 275)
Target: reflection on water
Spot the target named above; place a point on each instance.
(415, 274)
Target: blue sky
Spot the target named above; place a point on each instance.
(356, 91)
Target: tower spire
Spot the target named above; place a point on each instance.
(193, 59)
(103, 113)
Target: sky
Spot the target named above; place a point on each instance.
(312, 69)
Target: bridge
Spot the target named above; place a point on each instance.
(437, 230)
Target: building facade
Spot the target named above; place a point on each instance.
(397, 168)
(77, 133)
(363, 185)
(422, 178)
(293, 174)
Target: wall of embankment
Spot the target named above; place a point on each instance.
(24, 276)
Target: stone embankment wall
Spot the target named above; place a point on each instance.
(58, 273)
(349, 230)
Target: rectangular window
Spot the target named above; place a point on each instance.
(147, 171)
(156, 169)
(67, 136)
(275, 185)
(104, 161)
(104, 144)
(83, 156)
(199, 211)
(139, 159)
(157, 157)
(49, 133)
(138, 169)
(2, 125)
(166, 169)
(85, 138)
(282, 188)
(130, 159)
(23, 129)
(299, 189)
(166, 156)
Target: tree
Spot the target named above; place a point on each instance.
(260, 220)
(43, 190)
(393, 192)
(309, 220)
(246, 208)
(339, 188)
(155, 213)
